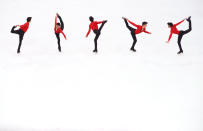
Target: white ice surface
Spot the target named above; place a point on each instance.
(114, 90)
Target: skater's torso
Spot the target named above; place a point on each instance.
(94, 25)
(174, 30)
(24, 27)
(139, 29)
(58, 30)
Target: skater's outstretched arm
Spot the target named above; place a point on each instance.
(147, 32)
(61, 31)
(88, 31)
(169, 37)
(179, 22)
(133, 23)
(63, 35)
(99, 22)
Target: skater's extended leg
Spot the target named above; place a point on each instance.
(61, 21)
(127, 25)
(190, 26)
(58, 41)
(14, 31)
(102, 25)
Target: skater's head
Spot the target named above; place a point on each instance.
(58, 25)
(170, 24)
(144, 24)
(29, 19)
(91, 18)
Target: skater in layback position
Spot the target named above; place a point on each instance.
(140, 28)
(58, 28)
(21, 31)
(180, 34)
(94, 26)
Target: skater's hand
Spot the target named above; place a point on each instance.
(150, 32)
(167, 41)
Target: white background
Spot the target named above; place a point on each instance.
(153, 89)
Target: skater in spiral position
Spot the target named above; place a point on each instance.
(21, 31)
(180, 34)
(133, 31)
(94, 26)
(58, 28)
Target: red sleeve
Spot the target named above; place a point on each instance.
(179, 22)
(133, 24)
(88, 31)
(147, 32)
(63, 33)
(170, 36)
(99, 22)
(55, 23)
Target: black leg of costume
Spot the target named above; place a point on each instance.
(58, 41)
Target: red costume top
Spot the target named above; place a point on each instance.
(24, 27)
(94, 26)
(174, 30)
(139, 28)
(59, 30)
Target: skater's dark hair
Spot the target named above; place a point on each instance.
(58, 24)
(170, 24)
(144, 23)
(29, 19)
(91, 18)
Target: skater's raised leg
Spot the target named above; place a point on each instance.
(14, 31)
(127, 25)
(190, 25)
(102, 25)
(61, 22)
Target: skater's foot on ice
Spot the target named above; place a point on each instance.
(18, 52)
(95, 51)
(180, 52)
(132, 49)
(188, 19)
